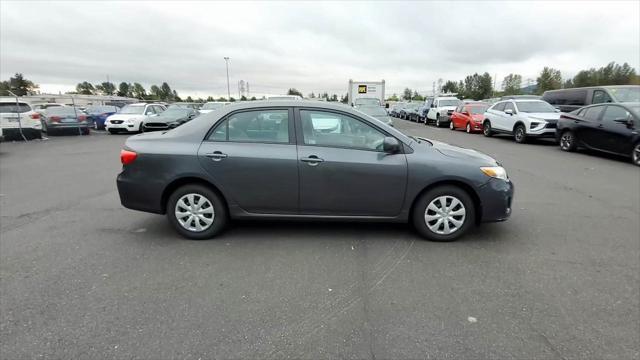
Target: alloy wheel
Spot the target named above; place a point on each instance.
(636, 154)
(469, 128)
(451, 125)
(438, 121)
(194, 212)
(445, 215)
(566, 141)
(519, 134)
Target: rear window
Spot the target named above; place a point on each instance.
(61, 110)
(8, 107)
(101, 109)
(477, 109)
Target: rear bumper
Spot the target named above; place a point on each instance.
(14, 133)
(496, 197)
(67, 125)
(137, 194)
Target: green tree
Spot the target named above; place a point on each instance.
(294, 91)
(243, 98)
(155, 92)
(511, 84)
(549, 79)
(312, 95)
(189, 99)
(221, 99)
(450, 87)
(253, 98)
(210, 98)
(406, 94)
(231, 99)
(138, 91)
(106, 88)
(18, 85)
(85, 88)
(568, 84)
(485, 89)
(165, 92)
(124, 89)
(394, 97)
(175, 97)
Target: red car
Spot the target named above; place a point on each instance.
(468, 116)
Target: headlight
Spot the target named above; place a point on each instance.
(497, 172)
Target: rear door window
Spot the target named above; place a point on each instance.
(592, 113)
(509, 106)
(499, 107)
(262, 126)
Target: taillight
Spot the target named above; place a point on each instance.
(82, 117)
(55, 118)
(35, 116)
(127, 156)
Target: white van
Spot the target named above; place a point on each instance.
(441, 109)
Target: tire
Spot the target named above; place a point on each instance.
(433, 228)
(635, 154)
(141, 128)
(187, 226)
(520, 134)
(451, 126)
(468, 128)
(486, 129)
(568, 141)
(85, 131)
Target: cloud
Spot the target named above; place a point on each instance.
(310, 46)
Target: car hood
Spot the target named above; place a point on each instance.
(461, 153)
(477, 117)
(167, 119)
(447, 107)
(124, 116)
(545, 116)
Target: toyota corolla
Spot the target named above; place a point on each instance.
(308, 160)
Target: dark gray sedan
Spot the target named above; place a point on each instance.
(308, 160)
(170, 118)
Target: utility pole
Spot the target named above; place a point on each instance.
(226, 59)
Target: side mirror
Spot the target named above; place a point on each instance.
(391, 145)
(509, 112)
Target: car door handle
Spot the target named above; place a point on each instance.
(312, 160)
(216, 155)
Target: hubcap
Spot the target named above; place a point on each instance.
(519, 134)
(566, 141)
(487, 129)
(445, 215)
(636, 155)
(451, 125)
(438, 122)
(468, 128)
(194, 212)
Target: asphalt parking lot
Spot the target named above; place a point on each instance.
(82, 277)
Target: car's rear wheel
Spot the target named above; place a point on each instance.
(468, 128)
(444, 213)
(486, 129)
(635, 155)
(519, 134)
(568, 141)
(196, 212)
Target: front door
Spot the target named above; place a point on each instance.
(615, 133)
(343, 170)
(252, 156)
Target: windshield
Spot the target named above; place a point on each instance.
(369, 101)
(626, 94)
(477, 109)
(412, 106)
(448, 102)
(535, 107)
(176, 111)
(212, 106)
(132, 109)
(101, 109)
(373, 110)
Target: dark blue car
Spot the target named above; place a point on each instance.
(97, 114)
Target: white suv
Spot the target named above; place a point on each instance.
(132, 117)
(13, 114)
(441, 109)
(521, 118)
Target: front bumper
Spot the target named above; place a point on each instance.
(120, 127)
(496, 197)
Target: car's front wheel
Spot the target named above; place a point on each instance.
(486, 129)
(444, 213)
(451, 126)
(568, 141)
(519, 134)
(468, 128)
(196, 212)
(438, 120)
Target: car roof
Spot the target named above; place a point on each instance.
(593, 87)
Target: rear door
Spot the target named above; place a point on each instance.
(497, 116)
(588, 132)
(251, 155)
(343, 170)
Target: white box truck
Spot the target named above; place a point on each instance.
(366, 93)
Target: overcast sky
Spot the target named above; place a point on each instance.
(310, 46)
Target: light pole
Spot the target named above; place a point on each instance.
(226, 59)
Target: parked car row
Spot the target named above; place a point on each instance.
(610, 121)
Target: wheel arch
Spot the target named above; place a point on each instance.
(188, 180)
(519, 122)
(477, 205)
